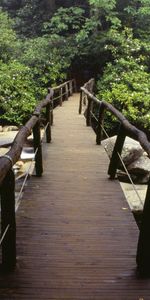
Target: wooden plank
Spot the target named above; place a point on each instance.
(76, 237)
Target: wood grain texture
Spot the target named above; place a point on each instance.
(76, 237)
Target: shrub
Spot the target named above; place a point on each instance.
(17, 99)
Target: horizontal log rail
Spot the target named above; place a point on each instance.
(7, 178)
(125, 129)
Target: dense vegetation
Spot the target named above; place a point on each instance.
(44, 42)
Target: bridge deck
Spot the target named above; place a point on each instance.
(76, 237)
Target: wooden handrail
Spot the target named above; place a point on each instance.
(125, 129)
(7, 181)
(17, 145)
(130, 129)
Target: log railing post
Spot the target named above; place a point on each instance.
(117, 149)
(8, 223)
(61, 96)
(70, 88)
(38, 149)
(75, 85)
(143, 249)
(51, 112)
(88, 113)
(48, 122)
(80, 102)
(100, 123)
(66, 91)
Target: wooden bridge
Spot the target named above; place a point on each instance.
(76, 236)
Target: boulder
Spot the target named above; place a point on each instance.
(27, 153)
(27, 167)
(10, 128)
(3, 151)
(140, 166)
(135, 202)
(7, 138)
(132, 150)
(134, 158)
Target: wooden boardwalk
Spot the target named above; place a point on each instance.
(76, 237)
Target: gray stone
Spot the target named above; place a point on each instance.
(134, 158)
(134, 199)
(3, 151)
(6, 138)
(26, 168)
(140, 166)
(27, 153)
(10, 128)
(131, 150)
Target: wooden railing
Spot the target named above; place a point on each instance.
(125, 129)
(55, 97)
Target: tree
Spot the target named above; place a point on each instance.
(17, 96)
(126, 81)
(11, 6)
(29, 14)
(8, 40)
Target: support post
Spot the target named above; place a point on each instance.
(38, 149)
(70, 87)
(100, 122)
(8, 222)
(143, 249)
(80, 102)
(52, 115)
(66, 91)
(117, 149)
(48, 122)
(75, 85)
(61, 97)
(88, 115)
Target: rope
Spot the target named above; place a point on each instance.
(45, 130)
(93, 116)
(18, 200)
(4, 234)
(133, 185)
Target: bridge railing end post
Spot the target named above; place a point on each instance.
(8, 222)
(100, 122)
(88, 113)
(37, 149)
(143, 248)
(48, 122)
(80, 102)
(116, 152)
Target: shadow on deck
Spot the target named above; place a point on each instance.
(76, 236)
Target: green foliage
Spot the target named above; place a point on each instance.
(138, 17)
(65, 21)
(29, 15)
(8, 39)
(49, 58)
(102, 4)
(17, 99)
(62, 35)
(126, 81)
(110, 38)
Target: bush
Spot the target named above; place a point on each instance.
(126, 82)
(17, 99)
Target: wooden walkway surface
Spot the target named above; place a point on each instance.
(76, 237)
